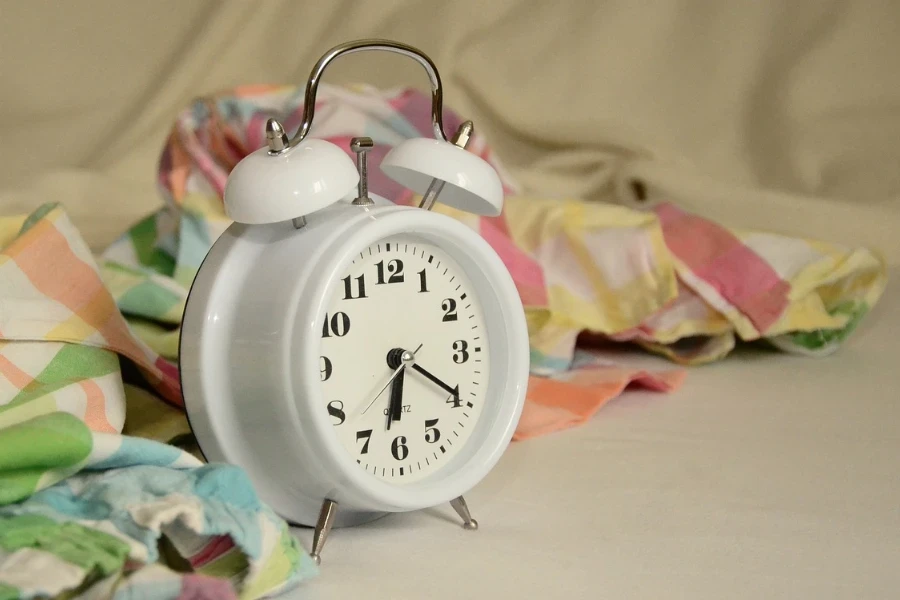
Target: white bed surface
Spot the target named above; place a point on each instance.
(765, 476)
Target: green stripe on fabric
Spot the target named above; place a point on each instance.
(41, 212)
(76, 362)
(149, 299)
(73, 363)
(87, 548)
(822, 338)
(120, 268)
(8, 592)
(18, 485)
(143, 236)
(49, 441)
(119, 281)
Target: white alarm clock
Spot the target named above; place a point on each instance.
(354, 356)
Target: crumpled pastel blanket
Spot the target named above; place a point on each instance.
(672, 282)
(141, 519)
(85, 510)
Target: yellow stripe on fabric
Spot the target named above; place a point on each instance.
(149, 418)
(611, 311)
(535, 318)
(20, 413)
(555, 336)
(715, 324)
(855, 265)
(9, 228)
(708, 350)
(614, 308)
(74, 329)
(532, 221)
(230, 564)
(559, 227)
(162, 340)
(466, 218)
(807, 314)
(602, 216)
(815, 274)
(857, 276)
(203, 204)
(836, 253)
(275, 570)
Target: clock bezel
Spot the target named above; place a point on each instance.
(504, 320)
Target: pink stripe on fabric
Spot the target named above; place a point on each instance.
(415, 106)
(204, 587)
(554, 405)
(14, 374)
(255, 132)
(525, 271)
(95, 409)
(736, 272)
(170, 384)
(211, 551)
(168, 369)
(202, 159)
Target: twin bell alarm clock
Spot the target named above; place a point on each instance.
(353, 356)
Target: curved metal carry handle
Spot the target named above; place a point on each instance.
(312, 85)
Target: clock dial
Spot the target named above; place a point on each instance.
(404, 294)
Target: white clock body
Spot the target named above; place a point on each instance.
(270, 303)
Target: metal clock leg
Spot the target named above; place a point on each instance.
(462, 509)
(323, 526)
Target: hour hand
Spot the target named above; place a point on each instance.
(436, 381)
(395, 408)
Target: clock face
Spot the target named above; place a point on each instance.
(404, 294)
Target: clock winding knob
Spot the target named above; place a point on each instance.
(276, 138)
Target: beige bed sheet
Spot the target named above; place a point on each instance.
(766, 476)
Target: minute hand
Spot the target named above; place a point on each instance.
(435, 380)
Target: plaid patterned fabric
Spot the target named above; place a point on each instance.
(78, 500)
(677, 283)
(52, 291)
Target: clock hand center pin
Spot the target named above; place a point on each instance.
(405, 358)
